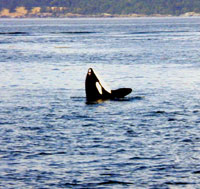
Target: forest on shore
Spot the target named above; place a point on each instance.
(61, 8)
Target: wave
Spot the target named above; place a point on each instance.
(132, 98)
(114, 182)
(178, 183)
(14, 33)
(156, 32)
(74, 32)
(95, 185)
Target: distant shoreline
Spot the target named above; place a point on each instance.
(22, 14)
(124, 16)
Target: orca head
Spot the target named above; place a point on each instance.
(90, 72)
(93, 87)
(92, 92)
(91, 78)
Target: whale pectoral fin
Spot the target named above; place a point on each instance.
(120, 93)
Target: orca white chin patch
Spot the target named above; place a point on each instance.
(99, 88)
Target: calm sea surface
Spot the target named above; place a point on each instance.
(50, 137)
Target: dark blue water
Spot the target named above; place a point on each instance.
(50, 137)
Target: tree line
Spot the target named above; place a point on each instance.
(93, 7)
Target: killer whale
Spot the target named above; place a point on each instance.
(97, 89)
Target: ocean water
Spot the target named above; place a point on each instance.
(51, 138)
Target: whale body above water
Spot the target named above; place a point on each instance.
(96, 88)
